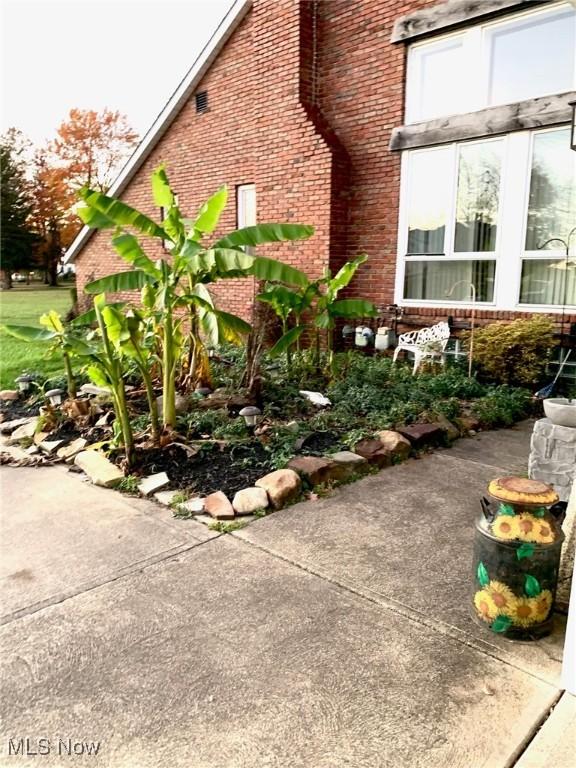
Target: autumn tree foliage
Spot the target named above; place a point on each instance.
(91, 146)
(39, 190)
(52, 216)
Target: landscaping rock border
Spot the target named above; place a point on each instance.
(274, 490)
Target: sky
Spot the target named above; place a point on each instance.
(128, 55)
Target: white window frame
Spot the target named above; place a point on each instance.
(517, 150)
(476, 45)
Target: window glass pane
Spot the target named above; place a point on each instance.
(246, 205)
(548, 281)
(435, 280)
(478, 197)
(428, 201)
(552, 203)
(533, 58)
(443, 85)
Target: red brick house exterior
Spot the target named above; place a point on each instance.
(306, 100)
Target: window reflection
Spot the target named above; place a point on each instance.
(428, 201)
(478, 197)
(552, 202)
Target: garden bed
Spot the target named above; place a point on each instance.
(212, 449)
(215, 467)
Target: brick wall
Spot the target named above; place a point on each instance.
(361, 95)
(256, 131)
(302, 102)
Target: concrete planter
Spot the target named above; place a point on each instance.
(561, 411)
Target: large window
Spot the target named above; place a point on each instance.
(490, 218)
(527, 55)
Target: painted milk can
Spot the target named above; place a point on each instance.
(516, 557)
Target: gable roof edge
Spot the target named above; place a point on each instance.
(161, 124)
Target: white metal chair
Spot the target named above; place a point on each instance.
(427, 342)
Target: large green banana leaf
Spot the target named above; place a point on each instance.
(134, 280)
(94, 219)
(209, 214)
(121, 214)
(220, 263)
(277, 272)
(345, 274)
(131, 251)
(265, 233)
(89, 317)
(287, 340)
(351, 308)
(29, 333)
(163, 195)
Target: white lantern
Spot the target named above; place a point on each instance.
(55, 396)
(251, 415)
(24, 382)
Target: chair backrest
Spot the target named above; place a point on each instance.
(436, 333)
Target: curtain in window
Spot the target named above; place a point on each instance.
(449, 280)
(548, 281)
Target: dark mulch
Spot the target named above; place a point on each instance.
(67, 431)
(213, 469)
(319, 443)
(15, 409)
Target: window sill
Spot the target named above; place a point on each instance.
(485, 306)
(493, 121)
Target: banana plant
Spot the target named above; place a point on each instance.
(285, 302)
(320, 298)
(106, 369)
(126, 334)
(329, 307)
(175, 289)
(65, 341)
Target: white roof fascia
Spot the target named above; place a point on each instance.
(181, 95)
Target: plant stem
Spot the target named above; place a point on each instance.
(117, 382)
(150, 396)
(168, 383)
(69, 376)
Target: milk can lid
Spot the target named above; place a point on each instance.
(520, 490)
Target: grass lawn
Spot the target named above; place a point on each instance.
(23, 305)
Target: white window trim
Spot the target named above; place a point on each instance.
(241, 208)
(476, 44)
(511, 233)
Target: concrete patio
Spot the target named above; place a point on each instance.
(333, 633)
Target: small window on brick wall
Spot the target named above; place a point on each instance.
(201, 101)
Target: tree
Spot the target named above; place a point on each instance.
(17, 238)
(91, 146)
(52, 216)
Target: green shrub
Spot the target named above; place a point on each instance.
(502, 406)
(513, 353)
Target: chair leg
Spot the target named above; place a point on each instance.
(396, 353)
(417, 361)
